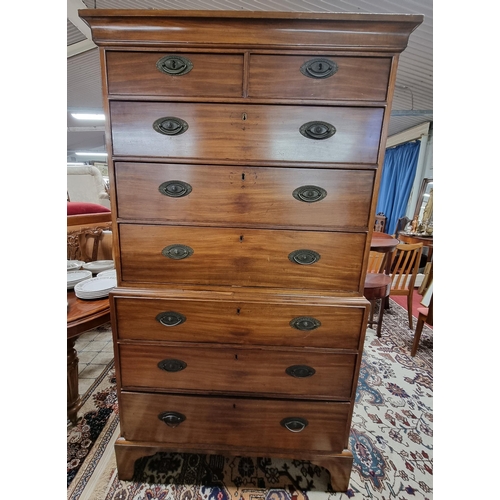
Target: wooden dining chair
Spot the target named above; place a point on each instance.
(377, 287)
(425, 315)
(405, 265)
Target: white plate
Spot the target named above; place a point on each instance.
(75, 264)
(95, 288)
(111, 273)
(75, 277)
(99, 265)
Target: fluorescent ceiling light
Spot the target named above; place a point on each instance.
(88, 116)
(80, 153)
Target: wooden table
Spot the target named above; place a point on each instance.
(382, 242)
(414, 238)
(83, 315)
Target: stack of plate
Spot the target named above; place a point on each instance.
(73, 265)
(99, 265)
(95, 288)
(75, 277)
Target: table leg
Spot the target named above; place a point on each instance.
(74, 400)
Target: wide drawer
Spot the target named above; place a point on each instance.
(241, 257)
(243, 423)
(238, 370)
(259, 196)
(174, 74)
(265, 322)
(319, 77)
(256, 132)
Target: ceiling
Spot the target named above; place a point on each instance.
(412, 104)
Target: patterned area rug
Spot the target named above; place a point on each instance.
(391, 440)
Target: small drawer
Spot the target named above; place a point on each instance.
(241, 257)
(237, 370)
(174, 74)
(252, 424)
(319, 77)
(256, 196)
(272, 133)
(269, 321)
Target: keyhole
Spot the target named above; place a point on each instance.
(241, 238)
(238, 310)
(236, 356)
(174, 65)
(242, 177)
(244, 116)
(321, 66)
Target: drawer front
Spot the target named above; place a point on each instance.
(259, 196)
(256, 133)
(180, 74)
(237, 370)
(239, 322)
(241, 257)
(242, 423)
(319, 77)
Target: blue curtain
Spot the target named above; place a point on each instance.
(398, 174)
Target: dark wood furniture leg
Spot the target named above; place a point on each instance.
(74, 400)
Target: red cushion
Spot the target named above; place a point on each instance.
(77, 208)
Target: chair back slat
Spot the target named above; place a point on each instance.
(376, 262)
(405, 266)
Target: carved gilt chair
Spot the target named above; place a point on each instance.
(89, 238)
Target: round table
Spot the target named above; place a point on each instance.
(83, 315)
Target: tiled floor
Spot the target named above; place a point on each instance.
(95, 351)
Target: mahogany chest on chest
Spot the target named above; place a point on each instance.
(244, 152)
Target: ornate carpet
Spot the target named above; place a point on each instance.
(391, 440)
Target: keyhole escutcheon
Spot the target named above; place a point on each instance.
(243, 116)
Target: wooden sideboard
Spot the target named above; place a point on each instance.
(244, 160)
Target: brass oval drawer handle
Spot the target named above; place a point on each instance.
(309, 194)
(172, 418)
(305, 323)
(170, 125)
(294, 424)
(174, 65)
(175, 189)
(304, 257)
(319, 67)
(300, 371)
(177, 252)
(172, 365)
(317, 130)
(170, 318)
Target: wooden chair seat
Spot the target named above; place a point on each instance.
(377, 287)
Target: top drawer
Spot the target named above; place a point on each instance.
(170, 74)
(319, 77)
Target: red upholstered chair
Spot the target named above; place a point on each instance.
(79, 208)
(425, 315)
